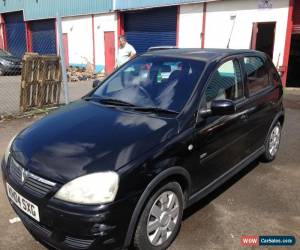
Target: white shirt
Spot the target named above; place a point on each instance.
(125, 53)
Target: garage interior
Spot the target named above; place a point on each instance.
(263, 37)
(293, 77)
(293, 73)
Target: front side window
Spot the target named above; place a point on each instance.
(257, 74)
(226, 83)
(149, 81)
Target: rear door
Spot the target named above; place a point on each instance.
(262, 97)
(220, 140)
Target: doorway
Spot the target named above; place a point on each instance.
(66, 48)
(263, 36)
(109, 47)
(293, 75)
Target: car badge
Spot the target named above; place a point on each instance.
(24, 175)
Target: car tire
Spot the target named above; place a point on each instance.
(161, 218)
(272, 143)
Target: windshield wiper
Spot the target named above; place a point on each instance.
(109, 101)
(112, 101)
(90, 98)
(156, 110)
(118, 102)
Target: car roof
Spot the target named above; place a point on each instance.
(201, 54)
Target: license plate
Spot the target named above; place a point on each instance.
(25, 205)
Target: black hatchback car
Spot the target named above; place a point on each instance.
(118, 167)
(9, 64)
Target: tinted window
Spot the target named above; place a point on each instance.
(257, 74)
(154, 81)
(274, 76)
(226, 83)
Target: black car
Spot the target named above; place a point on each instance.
(118, 167)
(9, 64)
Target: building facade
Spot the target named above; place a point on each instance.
(90, 31)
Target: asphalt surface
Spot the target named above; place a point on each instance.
(264, 199)
(10, 88)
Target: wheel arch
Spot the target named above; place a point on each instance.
(175, 173)
(279, 117)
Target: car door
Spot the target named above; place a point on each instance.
(262, 97)
(219, 140)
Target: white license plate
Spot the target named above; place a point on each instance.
(25, 205)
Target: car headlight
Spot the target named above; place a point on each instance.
(97, 188)
(7, 151)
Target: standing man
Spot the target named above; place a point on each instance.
(125, 53)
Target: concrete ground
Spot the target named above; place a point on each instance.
(10, 88)
(262, 200)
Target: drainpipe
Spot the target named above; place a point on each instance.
(203, 25)
(177, 25)
(93, 37)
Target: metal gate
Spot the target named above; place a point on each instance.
(147, 28)
(43, 36)
(15, 33)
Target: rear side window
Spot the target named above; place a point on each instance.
(257, 73)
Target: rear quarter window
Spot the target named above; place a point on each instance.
(274, 76)
(257, 74)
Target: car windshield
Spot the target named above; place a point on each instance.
(4, 53)
(156, 82)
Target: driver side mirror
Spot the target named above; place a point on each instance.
(219, 108)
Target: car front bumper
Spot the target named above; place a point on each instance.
(70, 226)
(13, 69)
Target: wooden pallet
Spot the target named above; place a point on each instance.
(40, 81)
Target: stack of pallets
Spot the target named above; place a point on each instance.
(40, 81)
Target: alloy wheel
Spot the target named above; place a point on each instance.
(163, 218)
(274, 140)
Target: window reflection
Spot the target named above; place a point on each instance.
(161, 82)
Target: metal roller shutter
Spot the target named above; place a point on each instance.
(155, 27)
(43, 36)
(15, 33)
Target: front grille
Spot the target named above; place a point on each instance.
(30, 182)
(36, 227)
(15, 63)
(77, 243)
(46, 234)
